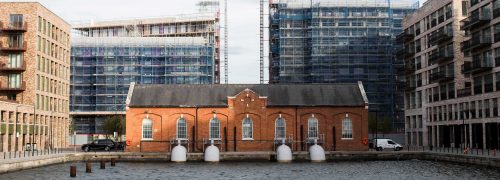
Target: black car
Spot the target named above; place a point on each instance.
(100, 144)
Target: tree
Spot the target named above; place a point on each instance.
(113, 124)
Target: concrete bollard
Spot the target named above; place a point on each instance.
(88, 167)
(113, 161)
(103, 164)
(72, 171)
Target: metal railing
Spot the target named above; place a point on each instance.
(476, 42)
(16, 26)
(28, 154)
(460, 150)
(464, 92)
(6, 67)
(19, 87)
(475, 20)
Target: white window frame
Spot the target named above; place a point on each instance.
(210, 128)
(316, 127)
(347, 128)
(243, 128)
(276, 128)
(144, 121)
(185, 128)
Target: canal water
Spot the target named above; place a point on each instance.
(371, 170)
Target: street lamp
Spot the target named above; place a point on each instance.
(51, 124)
(465, 132)
(17, 129)
(33, 134)
(376, 124)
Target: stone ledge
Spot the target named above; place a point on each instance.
(10, 166)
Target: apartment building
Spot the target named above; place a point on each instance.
(332, 41)
(34, 77)
(109, 55)
(450, 94)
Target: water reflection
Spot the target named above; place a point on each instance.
(413, 169)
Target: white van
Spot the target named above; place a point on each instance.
(382, 144)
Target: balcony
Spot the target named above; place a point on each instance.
(5, 87)
(14, 27)
(5, 67)
(409, 67)
(441, 56)
(441, 76)
(13, 47)
(475, 43)
(475, 20)
(473, 2)
(497, 37)
(411, 85)
(440, 37)
(405, 36)
(477, 66)
(464, 92)
(405, 53)
(496, 13)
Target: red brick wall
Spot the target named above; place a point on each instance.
(231, 117)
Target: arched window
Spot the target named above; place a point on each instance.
(247, 128)
(312, 128)
(181, 128)
(147, 129)
(347, 128)
(280, 128)
(214, 129)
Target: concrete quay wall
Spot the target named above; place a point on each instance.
(21, 164)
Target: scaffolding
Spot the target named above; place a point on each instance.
(108, 55)
(340, 41)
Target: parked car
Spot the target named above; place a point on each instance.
(100, 144)
(382, 144)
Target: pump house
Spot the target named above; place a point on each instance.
(247, 117)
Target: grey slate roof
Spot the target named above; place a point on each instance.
(216, 95)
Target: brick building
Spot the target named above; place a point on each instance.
(246, 117)
(34, 77)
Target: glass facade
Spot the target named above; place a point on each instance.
(313, 41)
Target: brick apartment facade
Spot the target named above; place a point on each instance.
(34, 77)
(249, 117)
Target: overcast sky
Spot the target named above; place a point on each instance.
(243, 23)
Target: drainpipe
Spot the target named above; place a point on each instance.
(296, 123)
(196, 130)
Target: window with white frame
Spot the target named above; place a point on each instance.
(214, 129)
(147, 129)
(181, 128)
(247, 128)
(347, 128)
(280, 128)
(312, 128)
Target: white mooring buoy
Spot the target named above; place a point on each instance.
(212, 153)
(179, 153)
(316, 153)
(284, 153)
